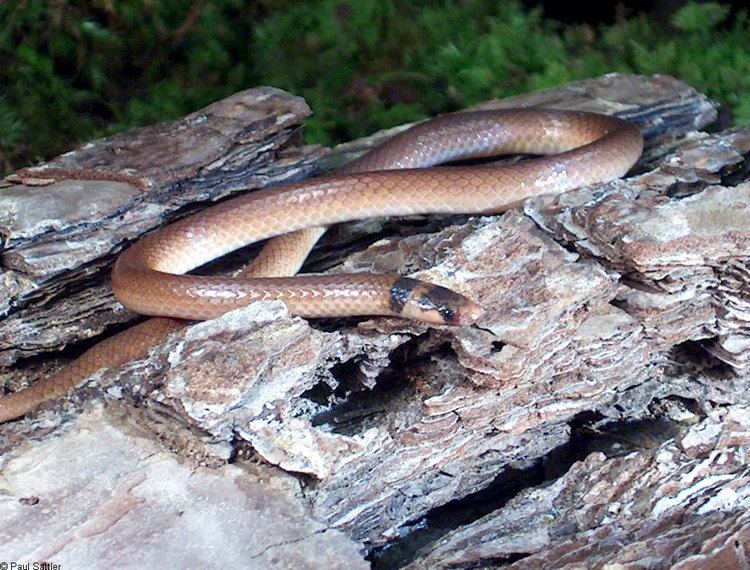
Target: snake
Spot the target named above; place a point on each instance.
(397, 178)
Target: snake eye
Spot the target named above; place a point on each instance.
(447, 313)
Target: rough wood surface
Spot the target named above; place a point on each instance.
(682, 504)
(608, 384)
(64, 222)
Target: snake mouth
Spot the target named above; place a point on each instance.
(468, 314)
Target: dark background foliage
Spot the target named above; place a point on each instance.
(75, 70)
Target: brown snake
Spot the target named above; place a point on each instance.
(579, 148)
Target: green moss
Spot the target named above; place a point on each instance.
(77, 70)
(441, 57)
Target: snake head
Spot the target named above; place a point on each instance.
(432, 304)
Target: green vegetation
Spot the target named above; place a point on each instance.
(75, 70)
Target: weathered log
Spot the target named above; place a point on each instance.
(63, 228)
(620, 304)
(680, 505)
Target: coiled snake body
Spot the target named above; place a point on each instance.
(579, 148)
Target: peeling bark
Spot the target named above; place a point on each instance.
(64, 222)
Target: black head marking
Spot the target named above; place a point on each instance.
(400, 293)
